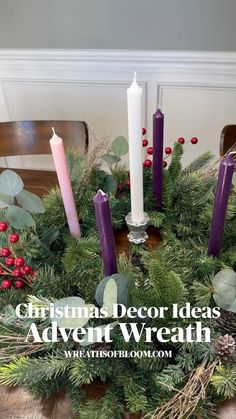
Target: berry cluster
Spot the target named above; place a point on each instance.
(149, 152)
(124, 186)
(148, 162)
(12, 267)
(181, 140)
(168, 150)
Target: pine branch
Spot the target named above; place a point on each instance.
(174, 168)
(224, 380)
(32, 371)
(203, 293)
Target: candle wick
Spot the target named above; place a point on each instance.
(53, 130)
(135, 76)
(101, 192)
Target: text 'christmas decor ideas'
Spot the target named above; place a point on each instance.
(156, 324)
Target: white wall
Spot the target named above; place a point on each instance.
(196, 91)
(201, 25)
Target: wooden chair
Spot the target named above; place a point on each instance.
(32, 138)
(227, 139)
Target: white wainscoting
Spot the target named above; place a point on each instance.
(196, 91)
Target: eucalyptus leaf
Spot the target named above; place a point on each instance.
(220, 302)
(74, 323)
(224, 284)
(110, 296)
(101, 332)
(8, 199)
(234, 180)
(10, 183)
(71, 302)
(122, 283)
(111, 159)
(120, 146)
(19, 218)
(232, 307)
(110, 184)
(3, 205)
(30, 202)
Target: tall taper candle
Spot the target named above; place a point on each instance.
(134, 100)
(223, 189)
(157, 165)
(105, 231)
(60, 162)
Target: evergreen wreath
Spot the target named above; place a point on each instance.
(199, 375)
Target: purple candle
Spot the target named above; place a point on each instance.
(105, 231)
(223, 190)
(157, 173)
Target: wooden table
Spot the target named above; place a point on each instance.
(37, 181)
(17, 403)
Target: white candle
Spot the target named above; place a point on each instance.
(134, 99)
(63, 175)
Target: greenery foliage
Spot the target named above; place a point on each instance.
(177, 271)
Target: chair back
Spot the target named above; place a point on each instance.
(227, 139)
(31, 138)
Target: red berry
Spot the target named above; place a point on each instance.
(145, 143)
(150, 151)
(164, 163)
(27, 269)
(23, 273)
(34, 274)
(5, 252)
(10, 261)
(194, 140)
(6, 284)
(1, 272)
(168, 150)
(14, 238)
(119, 186)
(3, 226)
(17, 273)
(147, 163)
(144, 131)
(128, 183)
(19, 284)
(19, 262)
(181, 140)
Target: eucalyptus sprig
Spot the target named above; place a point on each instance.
(16, 203)
(119, 148)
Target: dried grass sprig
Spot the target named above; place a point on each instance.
(185, 402)
(14, 344)
(212, 168)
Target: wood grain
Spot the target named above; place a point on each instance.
(18, 403)
(37, 181)
(227, 139)
(32, 137)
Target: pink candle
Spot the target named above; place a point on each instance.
(60, 162)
